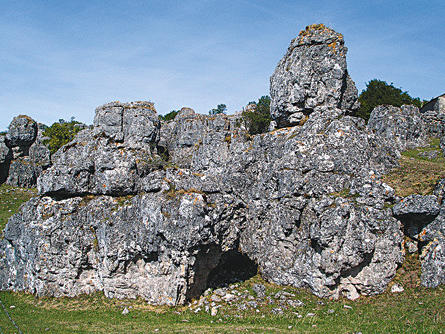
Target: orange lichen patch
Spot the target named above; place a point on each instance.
(313, 27)
(333, 46)
(29, 119)
(317, 28)
(421, 235)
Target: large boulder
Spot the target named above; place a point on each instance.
(196, 141)
(312, 74)
(423, 218)
(23, 156)
(22, 132)
(23, 172)
(403, 128)
(161, 246)
(304, 204)
(115, 157)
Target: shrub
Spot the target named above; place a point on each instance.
(220, 109)
(378, 92)
(258, 120)
(170, 116)
(60, 133)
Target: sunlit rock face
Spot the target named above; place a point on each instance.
(312, 74)
(135, 207)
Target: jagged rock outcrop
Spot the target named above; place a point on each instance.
(22, 132)
(116, 157)
(303, 203)
(23, 156)
(312, 74)
(423, 218)
(5, 159)
(198, 141)
(433, 114)
(403, 128)
(135, 207)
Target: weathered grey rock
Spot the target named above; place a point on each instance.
(312, 74)
(156, 246)
(300, 230)
(200, 142)
(23, 155)
(23, 173)
(402, 127)
(432, 254)
(135, 123)
(40, 154)
(5, 159)
(423, 218)
(117, 156)
(416, 211)
(304, 206)
(22, 132)
(433, 113)
(260, 290)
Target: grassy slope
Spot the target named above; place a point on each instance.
(417, 174)
(416, 310)
(10, 200)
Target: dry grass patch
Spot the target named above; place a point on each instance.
(417, 174)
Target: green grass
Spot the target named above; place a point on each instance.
(416, 310)
(10, 200)
(417, 174)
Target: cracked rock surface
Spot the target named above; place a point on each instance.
(135, 207)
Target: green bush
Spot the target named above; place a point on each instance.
(60, 133)
(378, 92)
(258, 120)
(170, 116)
(220, 109)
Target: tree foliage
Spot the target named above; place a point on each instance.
(378, 92)
(258, 120)
(60, 133)
(220, 109)
(170, 116)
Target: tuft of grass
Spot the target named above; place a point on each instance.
(417, 174)
(11, 198)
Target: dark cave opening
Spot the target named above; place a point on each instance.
(232, 267)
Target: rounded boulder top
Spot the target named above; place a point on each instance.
(22, 131)
(185, 112)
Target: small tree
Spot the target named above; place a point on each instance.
(170, 116)
(378, 92)
(60, 133)
(220, 109)
(258, 121)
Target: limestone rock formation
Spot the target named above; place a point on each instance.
(433, 114)
(116, 157)
(135, 207)
(423, 218)
(304, 204)
(402, 127)
(23, 155)
(5, 159)
(22, 132)
(312, 74)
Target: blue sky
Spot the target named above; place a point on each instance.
(63, 58)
